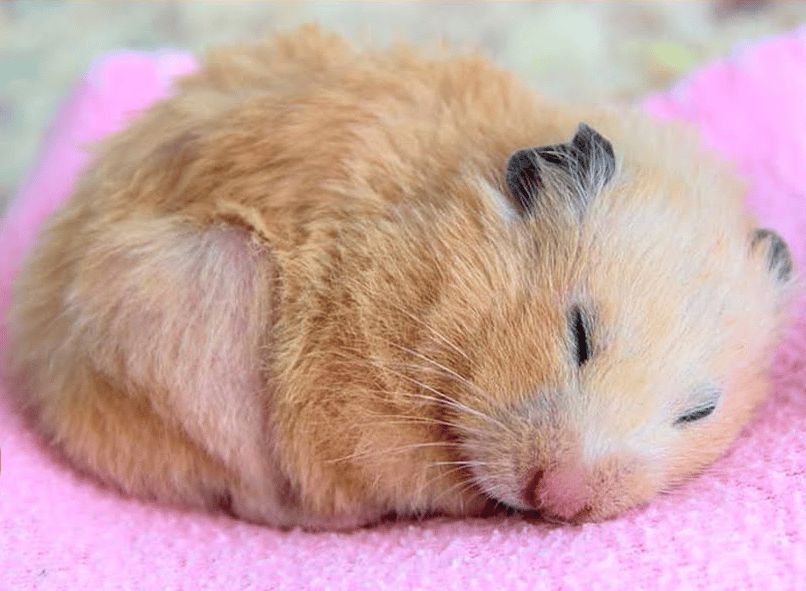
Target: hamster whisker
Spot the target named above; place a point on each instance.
(469, 386)
(464, 463)
(411, 419)
(433, 331)
(408, 420)
(455, 404)
(402, 448)
(458, 488)
(438, 365)
(460, 428)
(435, 366)
(439, 398)
(491, 490)
(440, 475)
(446, 372)
(466, 466)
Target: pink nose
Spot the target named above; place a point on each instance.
(563, 492)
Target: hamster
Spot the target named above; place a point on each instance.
(322, 285)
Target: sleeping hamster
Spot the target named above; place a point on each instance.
(320, 286)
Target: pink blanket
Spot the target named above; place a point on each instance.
(742, 525)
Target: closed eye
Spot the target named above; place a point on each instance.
(696, 415)
(579, 333)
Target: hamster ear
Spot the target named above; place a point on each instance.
(779, 259)
(595, 158)
(587, 161)
(523, 179)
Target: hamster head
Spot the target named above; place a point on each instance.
(634, 343)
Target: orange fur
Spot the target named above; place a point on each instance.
(298, 289)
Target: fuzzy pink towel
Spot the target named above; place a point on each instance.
(742, 525)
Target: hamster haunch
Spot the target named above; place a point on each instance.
(322, 285)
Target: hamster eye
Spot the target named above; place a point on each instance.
(696, 415)
(579, 330)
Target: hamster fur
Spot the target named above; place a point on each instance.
(322, 285)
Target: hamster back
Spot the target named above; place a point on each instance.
(320, 286)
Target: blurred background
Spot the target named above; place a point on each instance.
(579, 50)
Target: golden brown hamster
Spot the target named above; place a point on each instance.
(322, 285)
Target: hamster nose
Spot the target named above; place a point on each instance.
(562, 493)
